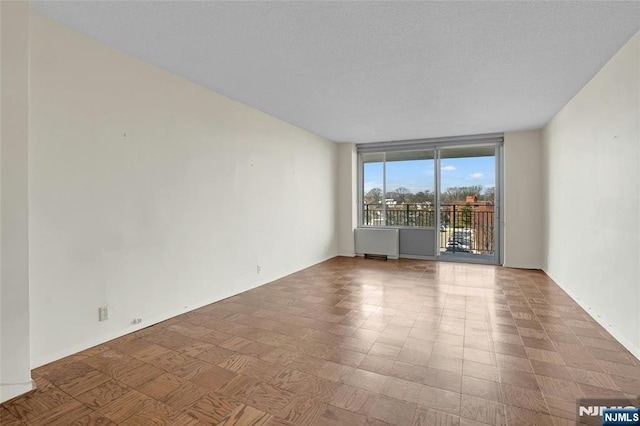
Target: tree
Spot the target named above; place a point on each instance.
(374, 196)
(489, 194)
(403, 195)
(425, 196)
(463, 216)
(460, 193)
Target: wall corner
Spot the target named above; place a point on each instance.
(15, 363)
(347, 198)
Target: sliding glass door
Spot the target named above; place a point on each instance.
(468, 224)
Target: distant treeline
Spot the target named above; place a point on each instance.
(403, 195)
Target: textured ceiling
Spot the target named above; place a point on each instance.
(367, 72)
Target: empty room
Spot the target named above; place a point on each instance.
(319, 213)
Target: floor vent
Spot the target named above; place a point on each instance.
(376, 256)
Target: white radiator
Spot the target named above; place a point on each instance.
(384, 242)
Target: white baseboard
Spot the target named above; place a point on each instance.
(11, 390)
(351, 254)
(533, 266)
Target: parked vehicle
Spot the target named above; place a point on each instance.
(458, 247)
(460, 241)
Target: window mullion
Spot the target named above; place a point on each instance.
(384, 189)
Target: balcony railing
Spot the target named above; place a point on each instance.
(464, 228)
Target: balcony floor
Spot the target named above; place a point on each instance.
(487, 259)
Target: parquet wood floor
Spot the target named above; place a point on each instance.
(348, 342)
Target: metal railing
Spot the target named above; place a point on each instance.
(464, 228)
(419, 215)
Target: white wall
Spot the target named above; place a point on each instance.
(523, 242)
(347, 198)
(592, 184)
(15, 374)
(155, 196)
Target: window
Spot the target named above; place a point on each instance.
(398, 189)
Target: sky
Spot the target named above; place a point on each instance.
(418, 175)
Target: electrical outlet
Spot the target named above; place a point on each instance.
(258, 269)
(103, 313)
(137, 320)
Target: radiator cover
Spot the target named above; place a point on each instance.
(385, 242)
